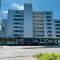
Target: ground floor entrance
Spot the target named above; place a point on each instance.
(30, 41)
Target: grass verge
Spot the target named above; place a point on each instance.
(48, 56)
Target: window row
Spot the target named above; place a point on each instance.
(18, 23)
(16, 19)
(18, 30)
(21, 27)
(18, 15)
(18, 35)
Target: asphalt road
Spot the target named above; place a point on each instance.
(23, 53)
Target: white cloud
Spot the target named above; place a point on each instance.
(5, 11)
(4, 14)
(17, 6)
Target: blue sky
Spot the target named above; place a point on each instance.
(37, 5)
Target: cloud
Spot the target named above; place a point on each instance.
(5, 11)
(17, 6)
(4, 14)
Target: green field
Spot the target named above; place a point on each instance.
(46, 56)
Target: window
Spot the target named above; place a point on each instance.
(18, 35)
(57, 24)
(15, 34)
(18, 15)
(49, 27)
(48, 23)
(21, 27)
(49, 31)
(18, 30)
(48, 13)
(39, 27)
(57, 21)
(57, 35)
(48, 16)
(48, 20)
(57, 28)
(16, 19)
(39, 23)
(49, 35)
(57, 31)
(18, 12)
(20, 23)
(40, 35)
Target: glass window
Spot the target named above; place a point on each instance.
(48, 13)
(20, 23)
(48, 16)
(18, 30)
(49, 35)
(48, 23)
(16, 19)
(49, 31)
(57, 24)
(18, 35)
(48, 20)
(57, 35)
(18, 15)
(49, 27)
(19, 12)
(21, 27)
(57, 21)
(57, 28)
(16, 11)
(57, 31)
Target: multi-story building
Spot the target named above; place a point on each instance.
(57, 28)
(28, 23)
(36, 26)
(18, 22)
(15, 23)
(42, 24)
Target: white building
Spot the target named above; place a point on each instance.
(15, 23)
(56, 28)
(42, 24)
(18, 23)
(30, 24)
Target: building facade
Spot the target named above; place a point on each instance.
(15, 23)
(31, 26)
(57, 27)
(42, 24)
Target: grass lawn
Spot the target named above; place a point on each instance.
(48, 56)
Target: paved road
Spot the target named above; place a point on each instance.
(23, 53)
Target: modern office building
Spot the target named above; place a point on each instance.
(31, 26)
(15, 23)
(28, 25)
(42, 24)
(19, 22)
(57, 27)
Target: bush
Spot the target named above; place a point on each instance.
(46, 56)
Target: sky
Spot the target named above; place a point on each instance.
(40, 5)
